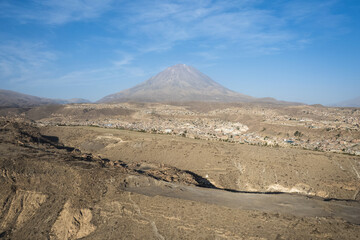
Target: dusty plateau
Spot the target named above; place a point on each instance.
(180, 171)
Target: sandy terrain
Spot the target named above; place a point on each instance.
(226, 165)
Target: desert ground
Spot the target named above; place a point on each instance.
(179, 171)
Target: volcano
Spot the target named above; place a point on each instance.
(179, 83)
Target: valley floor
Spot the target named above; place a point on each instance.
(129, 185)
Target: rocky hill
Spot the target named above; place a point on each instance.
(15, 99)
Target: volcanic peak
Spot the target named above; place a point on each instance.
(178, 83)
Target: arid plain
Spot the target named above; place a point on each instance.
(180, 171)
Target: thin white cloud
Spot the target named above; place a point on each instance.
(159, 25)
(56, 12)
(22, 61)
(117, 70)
(301, 11)
(86, 77)
(126, 60)
(243, 25)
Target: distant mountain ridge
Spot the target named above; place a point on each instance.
(178, 83)
(10, 98)
(355, 102)
(72, 100)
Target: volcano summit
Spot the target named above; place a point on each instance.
(179, 83)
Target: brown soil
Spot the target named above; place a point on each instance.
(226, 165)
(51, 190)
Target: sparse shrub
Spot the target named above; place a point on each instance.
(298, 134)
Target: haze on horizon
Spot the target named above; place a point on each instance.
(301, 51)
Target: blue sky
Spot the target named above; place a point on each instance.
(306, 51)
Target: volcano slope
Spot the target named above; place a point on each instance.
(52, 191)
